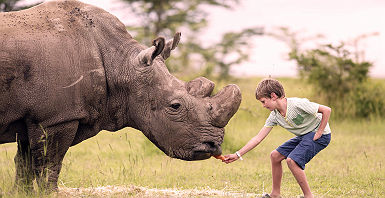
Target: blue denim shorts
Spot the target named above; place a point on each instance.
(303, 148)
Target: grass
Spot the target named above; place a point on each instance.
(351, 166)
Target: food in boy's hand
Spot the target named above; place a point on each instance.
(221, 157)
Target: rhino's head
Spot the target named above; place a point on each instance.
(183, 119)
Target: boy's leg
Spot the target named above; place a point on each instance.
(276, 158)
(302, 154)
(276, 169)
(300, 176)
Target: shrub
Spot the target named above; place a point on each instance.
(339, 75)
(369, 99)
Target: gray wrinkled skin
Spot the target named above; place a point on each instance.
(69, 70)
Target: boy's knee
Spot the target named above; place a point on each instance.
(276, 156)
(290, 162)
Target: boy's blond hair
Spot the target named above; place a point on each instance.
(268, 86)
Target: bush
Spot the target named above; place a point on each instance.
(369, 99)
(339, 78)
(332, 69)
(338, 73)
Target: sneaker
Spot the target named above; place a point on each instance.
(268, 196)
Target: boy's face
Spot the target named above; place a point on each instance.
(267, 103)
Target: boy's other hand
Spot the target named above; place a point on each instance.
(317, 136)
(230, 158)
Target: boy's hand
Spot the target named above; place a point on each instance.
(230, 158)
(317, 136)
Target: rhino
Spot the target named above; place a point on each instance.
(69, 70)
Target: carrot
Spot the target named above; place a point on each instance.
(221, 157)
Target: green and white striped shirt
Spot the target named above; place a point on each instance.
(301, 117)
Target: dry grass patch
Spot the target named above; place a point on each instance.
(135, 191)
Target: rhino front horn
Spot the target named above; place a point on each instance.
(225, 103)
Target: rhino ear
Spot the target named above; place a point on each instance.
(171, 45)
(159, 45)
(148, 55)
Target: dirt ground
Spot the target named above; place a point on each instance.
(135, 191)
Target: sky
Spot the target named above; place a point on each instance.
(337, 20)
(341, 20)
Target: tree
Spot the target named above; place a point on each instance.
(12, 5)
(167, 16)
(233, 49)
(164, 18)
(7, 5)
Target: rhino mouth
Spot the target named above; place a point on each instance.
(206, 150)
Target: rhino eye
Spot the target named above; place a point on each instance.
(175, 106)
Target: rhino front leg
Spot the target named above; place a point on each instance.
(48, 147)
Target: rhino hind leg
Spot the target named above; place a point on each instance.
(48, 146)
(24, 174)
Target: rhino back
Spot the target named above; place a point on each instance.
(52, 62)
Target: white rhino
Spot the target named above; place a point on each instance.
(69, 70)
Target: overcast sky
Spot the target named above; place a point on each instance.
(337, 20)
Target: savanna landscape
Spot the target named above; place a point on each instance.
(126, 164)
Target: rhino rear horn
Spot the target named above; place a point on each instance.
(200, 87)
(171, 45)
(148, 55)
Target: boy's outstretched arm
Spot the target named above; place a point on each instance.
(250, 145)
(325, 118)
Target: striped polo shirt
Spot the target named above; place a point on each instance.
(301, 117)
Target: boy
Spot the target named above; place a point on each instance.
(307, 120)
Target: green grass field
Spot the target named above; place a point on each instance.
(353, 165)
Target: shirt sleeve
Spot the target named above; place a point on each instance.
(308, 107)
(271, 121)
